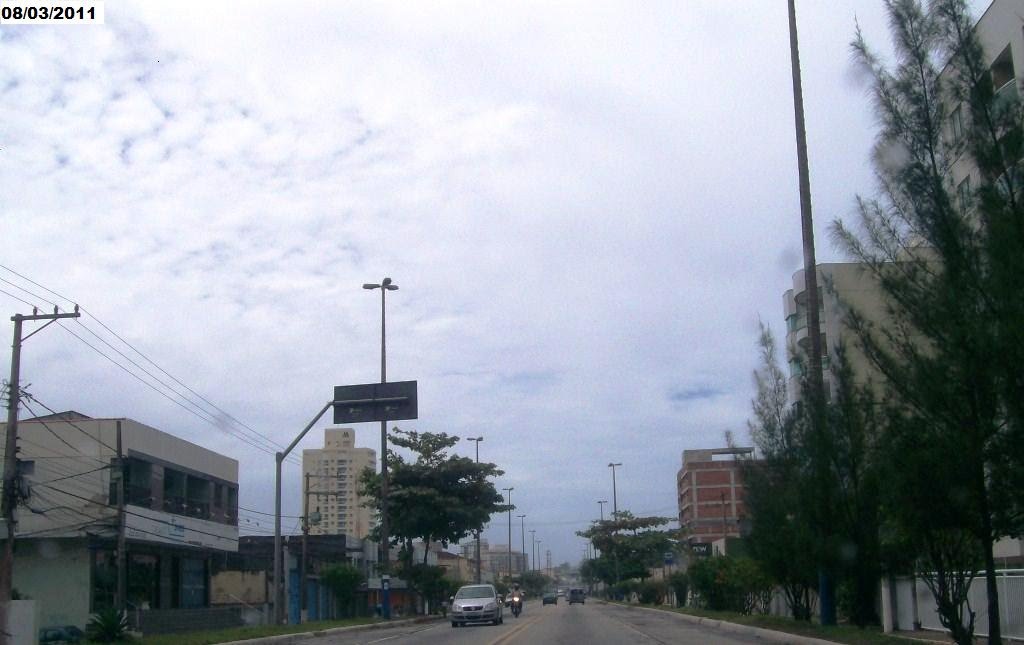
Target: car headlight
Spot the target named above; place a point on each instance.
(491, 605)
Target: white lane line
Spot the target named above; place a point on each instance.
(388, 638)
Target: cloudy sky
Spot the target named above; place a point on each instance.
(587, 207)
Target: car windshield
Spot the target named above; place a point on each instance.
(475, 592)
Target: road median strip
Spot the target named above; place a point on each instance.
(288, 638)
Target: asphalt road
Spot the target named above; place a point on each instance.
(561, 624)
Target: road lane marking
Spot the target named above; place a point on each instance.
(388, 638)
(628, 626)
(507, 636)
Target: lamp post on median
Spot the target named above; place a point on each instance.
(384, 286)
(533, 544)
(615, 496)
(509, 502)
(477, 441)
(522, 528)
(601, 503)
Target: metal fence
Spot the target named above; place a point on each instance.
(910, 593)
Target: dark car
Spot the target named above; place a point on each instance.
(577, 595)
(64, 634)
(550, 598)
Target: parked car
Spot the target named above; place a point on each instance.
(550, 598)
(65, 634)
(476, 604)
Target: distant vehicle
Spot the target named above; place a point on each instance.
(476, 604)
(577, 595)
(561, 593)
(550, 598)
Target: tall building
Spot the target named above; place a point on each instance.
(1000, 30)
(331, 484)
(840, 287)
(711, 493)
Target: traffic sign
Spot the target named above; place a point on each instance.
(375, 402)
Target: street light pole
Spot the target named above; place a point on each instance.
(615, 496)
(601, 503)
(522, 528)
(477, 441)
(384, 286)
(533, 544)
(509, 502)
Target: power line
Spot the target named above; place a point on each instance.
(257, 440)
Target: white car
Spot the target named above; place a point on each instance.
(476, 604)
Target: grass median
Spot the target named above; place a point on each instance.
(849, 634)
(242, 633)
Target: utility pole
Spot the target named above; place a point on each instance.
(11, 488)
(303, 608)
(122, 556)
(510, 507)
(817, 383)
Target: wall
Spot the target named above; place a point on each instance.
(55, 573)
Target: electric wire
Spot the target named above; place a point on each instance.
(253, 441)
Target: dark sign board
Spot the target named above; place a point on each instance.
(375, 402)
(701, 548)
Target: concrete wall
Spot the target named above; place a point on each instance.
(56, 574)
(22, 621)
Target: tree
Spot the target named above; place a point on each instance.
(629, 546)
(343, 580)
(780, 525)
(437, 497)
(534, 582)
(803, 470)
(949, 265)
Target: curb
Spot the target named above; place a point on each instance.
(289, 638)
(769, 635)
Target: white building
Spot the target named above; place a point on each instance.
(332, 473)
(181, 509)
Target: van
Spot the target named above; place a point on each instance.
(577, 595)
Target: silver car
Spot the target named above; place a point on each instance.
(476, 604)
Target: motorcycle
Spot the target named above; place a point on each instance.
(517, 604)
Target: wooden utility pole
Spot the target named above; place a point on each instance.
(122, 556)
(11, 493)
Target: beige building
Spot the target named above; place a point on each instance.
(841, 286)
(1001, 33)
(332, 474)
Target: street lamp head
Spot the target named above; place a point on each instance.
(520, 516)
(391, 287)
(611, 465)
(386, 281)
(371, 286)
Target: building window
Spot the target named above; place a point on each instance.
(963, 194)
(957, 123)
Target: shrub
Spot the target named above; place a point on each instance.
(652, 592)
(107, 626)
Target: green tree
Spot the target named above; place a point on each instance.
(343, 581)
(629, 546)
(782, 537)
(435, 497)
(534, 582)
(949, 259)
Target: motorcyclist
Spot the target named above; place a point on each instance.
(517, 599)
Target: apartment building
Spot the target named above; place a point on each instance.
(841, 286)
(331, 484)
(711, 495)
(1001, 33)
(180, 511)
